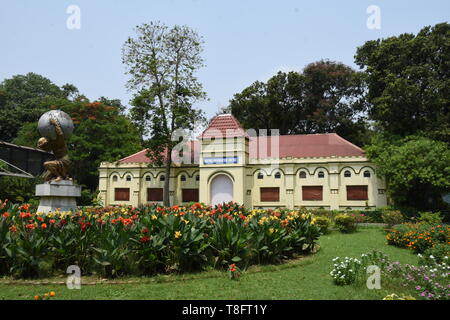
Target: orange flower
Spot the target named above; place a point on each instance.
(44, 226)
(37, 297)
(52, 293)
(13, 229)
(6, 215)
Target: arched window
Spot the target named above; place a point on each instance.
(347, 174)
(260, 176)
(114, 178)
(302, 175)
(321, 174)
(162, 178)
(148, 178)
(277, 175)
(128, 178)
(367, 174)
(183, 177)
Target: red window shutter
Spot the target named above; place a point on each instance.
(357, 193)
(312, 193)
(190, 195)
(270, 194)
(122, 194)
(155, 194)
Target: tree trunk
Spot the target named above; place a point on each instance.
(167, 180)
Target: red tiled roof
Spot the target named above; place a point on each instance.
(303, 146)
(296, 146)
(141, 156)
(223, 125)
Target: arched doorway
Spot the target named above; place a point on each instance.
(221, 189)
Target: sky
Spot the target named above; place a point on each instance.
(245, 40)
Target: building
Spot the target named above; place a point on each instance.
(291, 171)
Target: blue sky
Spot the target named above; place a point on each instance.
(245, 40)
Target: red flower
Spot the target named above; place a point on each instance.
(144, 230)
(6, 215)
(242, 217)
(44, 226)
(84, 225)
(30, 226)
(144, 239)
(13, 229)
(25, 215)
(52, 221)
(40, 219)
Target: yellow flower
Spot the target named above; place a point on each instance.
(271, 230)
(177, 234)
(154, 217)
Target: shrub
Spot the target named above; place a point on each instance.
(345, 271)
(392, 217)
(418, 237)
(323, 223)
(438, 253)
(430, 217)
(345, 223)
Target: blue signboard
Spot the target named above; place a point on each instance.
(222, 160)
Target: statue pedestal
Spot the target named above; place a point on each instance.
(59, 195)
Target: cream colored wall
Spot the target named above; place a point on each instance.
(138, 184)
(246, 186)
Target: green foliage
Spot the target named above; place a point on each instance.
(417, 169)
(345, 223)
(392, 217)
(24, 98)
(430, 217)
(18, 190)
(323, 223)
(439, 253)
(408, 79)
(117, 241)
(326, 97)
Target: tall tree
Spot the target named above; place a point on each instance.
(326, 97)
(23, 98)
(162, 63)
(408, 80)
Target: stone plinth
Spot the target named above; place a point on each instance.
(59, 195)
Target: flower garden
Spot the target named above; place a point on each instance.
(118, 241)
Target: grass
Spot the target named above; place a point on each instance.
(304, 278)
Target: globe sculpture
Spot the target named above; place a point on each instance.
(59, 191)
(46, 129)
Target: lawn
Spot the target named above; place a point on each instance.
(305, 278)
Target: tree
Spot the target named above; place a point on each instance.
(24, 98)
(326, 97)
(409, 82)
(162, 63)
(417, 169)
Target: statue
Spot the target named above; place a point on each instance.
(53, 139)
(59, 192)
